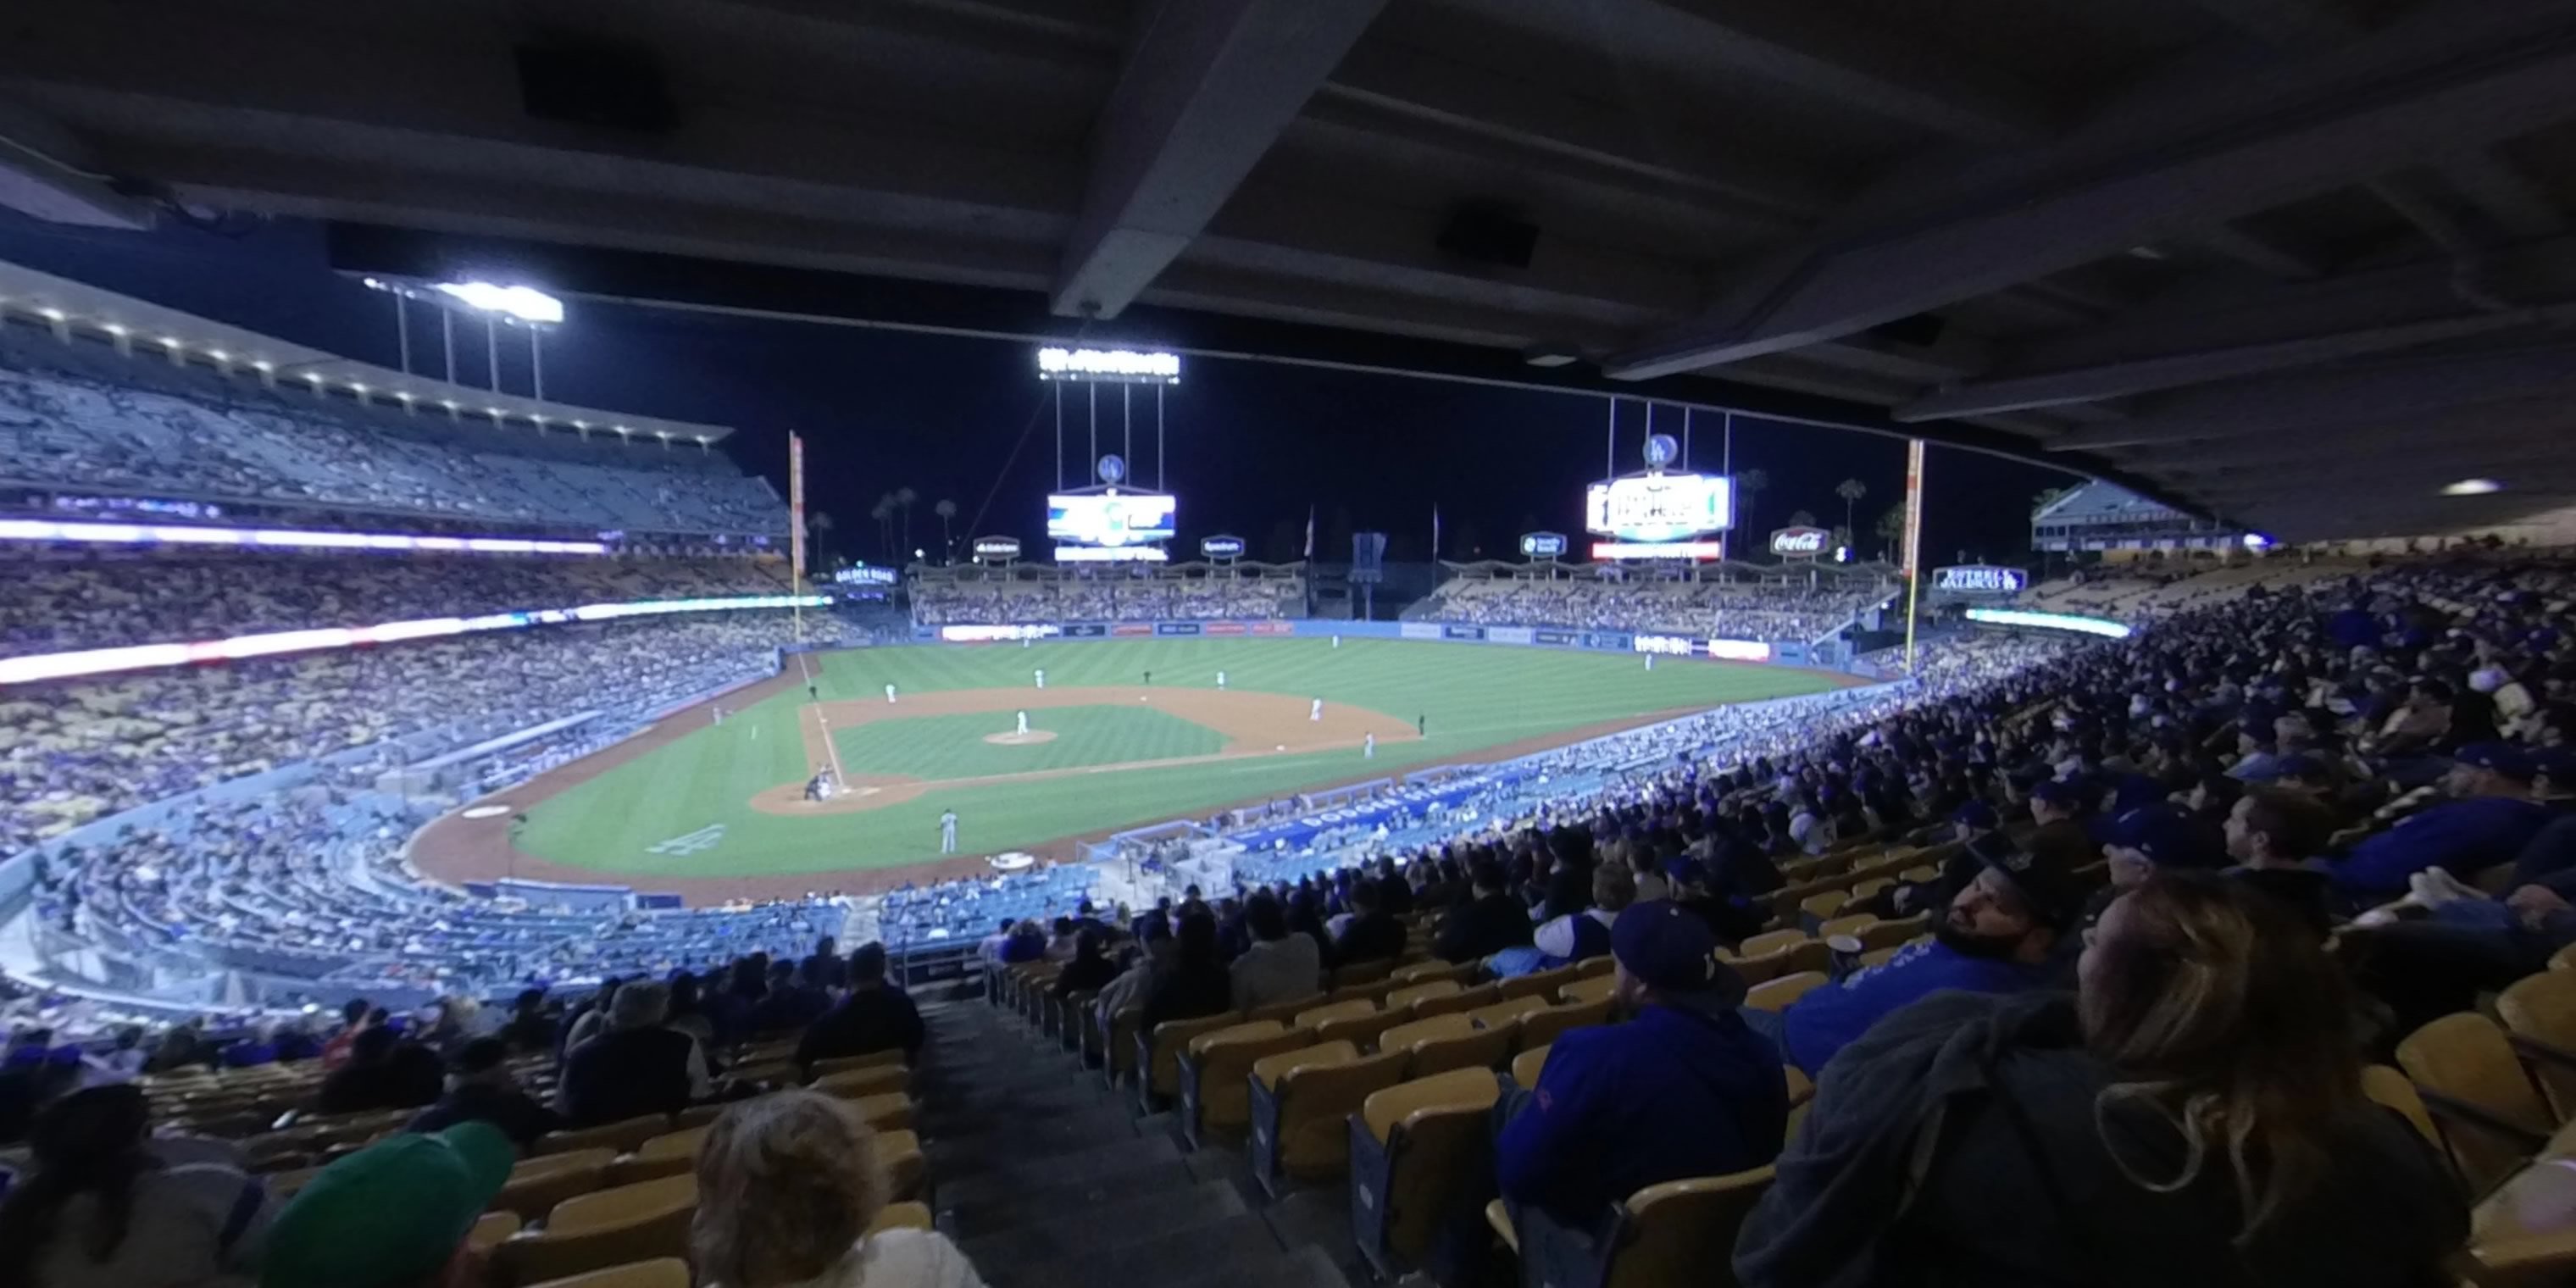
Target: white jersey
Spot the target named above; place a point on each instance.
(1042, 677)
(889, 693)
(1315, 710)
(1220, 679)
(1024, 723)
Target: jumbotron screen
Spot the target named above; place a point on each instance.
(1110, 518)
(1660, 507)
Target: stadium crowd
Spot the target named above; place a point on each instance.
(2127, 1018)
(75, 751)
(1728, 610)
(943, 603)
(57, 604)
(82, 416)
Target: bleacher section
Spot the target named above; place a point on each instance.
(1747, 609)
(970, 596)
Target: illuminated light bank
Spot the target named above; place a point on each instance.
(175, 534)
(1658, 550)
(144, 657)
(1111, 554)
(2101, 626)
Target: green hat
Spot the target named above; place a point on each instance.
(389, 1214)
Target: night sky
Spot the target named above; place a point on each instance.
(1252, 445)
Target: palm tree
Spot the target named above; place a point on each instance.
(946, 510)
(903, 499)
(1891, 529)
(883, 513)
(2045, 497)
(1749, 485)
(1851, 491)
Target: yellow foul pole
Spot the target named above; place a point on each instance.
(1913, 542)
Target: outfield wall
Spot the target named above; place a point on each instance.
(1783, 652)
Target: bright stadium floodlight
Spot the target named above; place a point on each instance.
(1108, 364)
(526, 303)
(2472, 487)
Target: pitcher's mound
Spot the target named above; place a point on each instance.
(1029, 739)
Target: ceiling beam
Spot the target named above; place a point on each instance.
(2268, 329)
(1383, 84)
(2286, 23)
(2488, 425)
(2161, 166)
(2317, 400)
(1859, 66)
(1208, 86)
(2265, 255)
(2503, 193)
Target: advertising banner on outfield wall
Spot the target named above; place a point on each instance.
(1462, 632)
(1176, 628)
(1223, 628)
(1273, 628)
(1511, 634)
(1668, 645)
(1421, 630)
(1130, 630)
(1740, 650)
(1085, 630)
(1616, 641)
(990, 634)
(1561, 639)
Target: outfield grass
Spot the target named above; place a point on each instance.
(1470, 697)
(937, 747)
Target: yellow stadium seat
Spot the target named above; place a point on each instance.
(1593, 988)
(1402, 1037)
(858, 1084)
(1539, 984)
(845, 1063)
(2539, 1014)
(899, 1152)
(1359, 974)
(1403, 999)
(2389, 1087)
(1416, 1147)
(1767, 942)
(1506, 1014)
(1315, 1016)
(1591, 966)
(596, 1231)
(771, 1071)
(1118, 1054)
(661, 1272)
(2564, 958)
(1892, 934)
(1820, 907)
(1215, 1091)
(1426, 972)
(1779, 993)
(1540, 1028)
(1851, 925)
(889, 1112)
(1158, 1056)
(2491, 1117)
(1480, 1049)
(1363, 1031)
(620, 1137)
(1300, 1103)
(902, 1216)
(1801, 1088)
(1286, 1011)
(1458, 1003)
(1667, 1234)
(490, 1229)
(538, 1184)
(1528, 1065)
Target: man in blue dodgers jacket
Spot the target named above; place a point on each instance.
(2487, 821)
(1684, 1089)
(1999, 935)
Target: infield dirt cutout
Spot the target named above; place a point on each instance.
(1253, 724)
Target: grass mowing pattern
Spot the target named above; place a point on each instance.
(938, 747)
(1472, 696)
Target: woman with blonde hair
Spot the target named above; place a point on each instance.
(788, 1185)
(2194, 1115)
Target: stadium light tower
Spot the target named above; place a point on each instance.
(496, 304)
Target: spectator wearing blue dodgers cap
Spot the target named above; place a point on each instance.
(2488, 820)
(1683, 1089)
(1998, 935)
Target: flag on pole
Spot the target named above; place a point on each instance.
(1435, 531)
(1310, 530)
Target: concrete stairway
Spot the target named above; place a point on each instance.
(1049, 1180)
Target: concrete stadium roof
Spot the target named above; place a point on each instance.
(2297, 263)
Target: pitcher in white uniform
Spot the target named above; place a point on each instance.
(1024, 723)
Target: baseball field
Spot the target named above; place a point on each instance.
(1125, 732)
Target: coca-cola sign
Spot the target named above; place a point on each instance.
(1800, 541)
